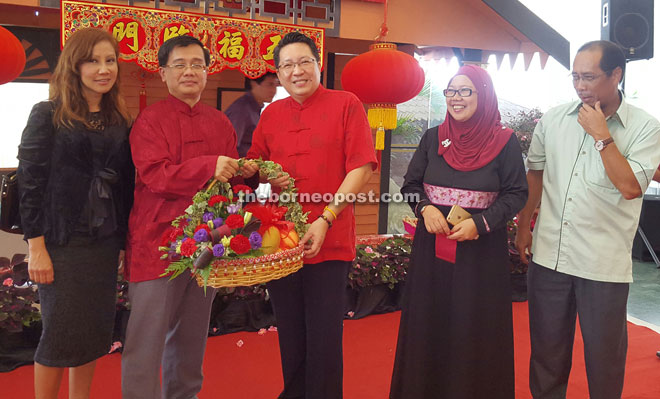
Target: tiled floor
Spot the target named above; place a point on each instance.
(644, 297)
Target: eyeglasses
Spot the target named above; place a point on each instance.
(464, 92)
(182, 67)
(586, 78)
(305, 63)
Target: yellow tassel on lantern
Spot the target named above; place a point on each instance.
(382, 114)
(380, 138)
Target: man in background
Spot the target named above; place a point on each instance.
(244, 113)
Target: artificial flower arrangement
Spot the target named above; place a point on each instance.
(226, 242)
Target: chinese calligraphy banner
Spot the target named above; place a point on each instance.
(241, 44)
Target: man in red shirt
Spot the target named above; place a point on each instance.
(177, 145)
(322, 139)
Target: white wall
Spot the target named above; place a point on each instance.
(11, 244)
(16, 101)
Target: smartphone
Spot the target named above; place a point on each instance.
(457, 215)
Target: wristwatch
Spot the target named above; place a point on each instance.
(601, 144)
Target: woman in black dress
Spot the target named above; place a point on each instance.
(75, 180)
(456, 334)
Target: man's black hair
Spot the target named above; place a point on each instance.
(180, 41)
(295, 37)
(611, 58)
(248, 85)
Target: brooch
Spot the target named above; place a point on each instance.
(446, 142)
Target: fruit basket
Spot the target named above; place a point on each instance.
(226, 238)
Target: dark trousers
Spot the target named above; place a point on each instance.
(554, 301)
(309, 307)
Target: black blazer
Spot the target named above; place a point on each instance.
(72, 179)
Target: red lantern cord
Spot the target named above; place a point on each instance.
(383, 28)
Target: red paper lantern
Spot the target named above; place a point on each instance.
(12, 55)
(382, 78)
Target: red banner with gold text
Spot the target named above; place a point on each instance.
(234, 43)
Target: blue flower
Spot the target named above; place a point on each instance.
(217, 222)
(255, 240)
(218, 250)
(207, 216)
(201, 236)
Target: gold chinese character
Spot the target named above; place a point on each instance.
(232, 46)
(274, 40)
(129, 31)
(174, 31)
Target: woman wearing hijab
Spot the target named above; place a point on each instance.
(456, 333)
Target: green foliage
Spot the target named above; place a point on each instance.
(523, 124)
(18, 307)
(385, 263)
(406, 127)
(294, 212)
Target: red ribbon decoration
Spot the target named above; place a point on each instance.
(270, 215)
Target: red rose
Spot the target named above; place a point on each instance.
(188, 247)
(203, 226)
(234, 221)
(217, 199)
(240, 244)
(241, 188)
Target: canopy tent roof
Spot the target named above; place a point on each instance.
(446, 28)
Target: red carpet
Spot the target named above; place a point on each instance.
(252, 371)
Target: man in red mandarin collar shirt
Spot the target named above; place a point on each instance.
(322, 139)
(177, 145)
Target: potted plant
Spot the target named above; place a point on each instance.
(19, 311)
(376, 276)
(241, 309)
(523, 124)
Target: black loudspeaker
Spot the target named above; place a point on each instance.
(629, 23)
(648, 221)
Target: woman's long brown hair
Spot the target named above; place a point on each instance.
(66, 85)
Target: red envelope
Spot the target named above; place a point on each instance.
(445, 248)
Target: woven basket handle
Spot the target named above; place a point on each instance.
(211, 184)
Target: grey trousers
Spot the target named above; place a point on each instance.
(167, 328)
(554, 301)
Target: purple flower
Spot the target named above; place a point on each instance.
(207, 216)
(218, 250)
(233, 208)
(255, 240)
(201, 235)
(217, 222)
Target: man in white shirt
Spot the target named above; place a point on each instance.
(590, 162)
